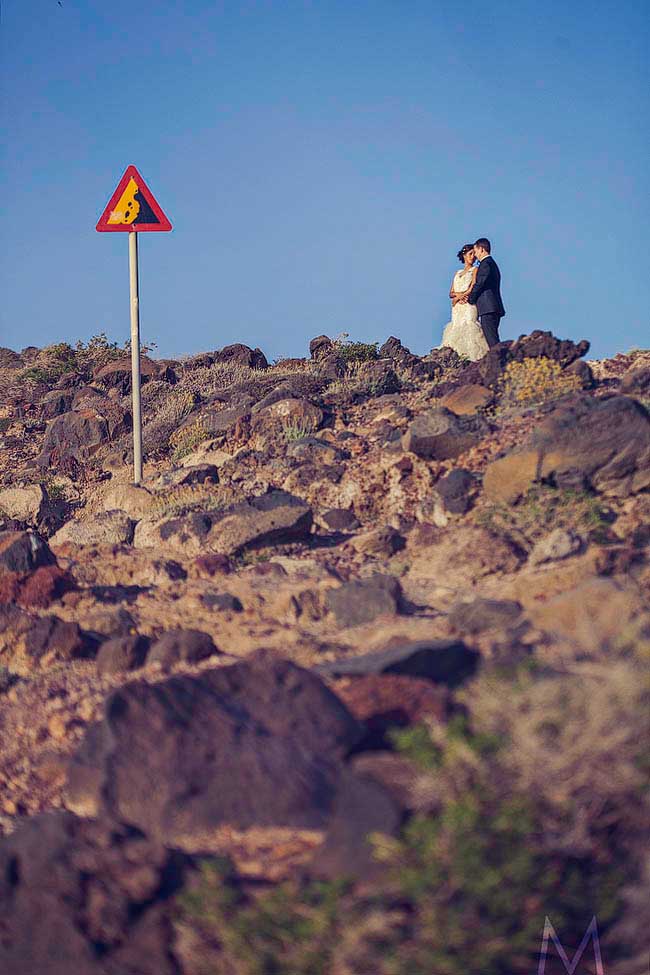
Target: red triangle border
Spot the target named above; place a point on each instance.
(103, 225)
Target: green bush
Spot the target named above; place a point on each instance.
(355, 351)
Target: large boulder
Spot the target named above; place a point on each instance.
(320, 346)
(602, 444)
(79, 434)
(85, 898)
(538, 344)
(257, 743)
(117, 374)
(269, 519)
(439, 434)
(134, 499)
(56, 402)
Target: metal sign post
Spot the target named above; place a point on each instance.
(135, 358)
(134, 209)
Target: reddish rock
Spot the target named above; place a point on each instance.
(385, 700)
(42, 587)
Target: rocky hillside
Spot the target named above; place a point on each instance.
(355, 683)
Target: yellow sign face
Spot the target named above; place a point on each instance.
(127, 208)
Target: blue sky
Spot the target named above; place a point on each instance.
(322, 162)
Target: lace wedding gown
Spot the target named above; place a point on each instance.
(464, 334)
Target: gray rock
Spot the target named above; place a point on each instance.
(269, 519)
(340, 520)
(221, 602)
(447, 662)
(363, 806)
(482, 614)
(441, 435)
(181, 646)
(558, 544)
(359, 602)
(122, 653)
(104, 528)
(454, 490)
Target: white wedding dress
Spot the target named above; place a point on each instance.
(464, 333)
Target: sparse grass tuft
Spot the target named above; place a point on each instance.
(186, 439)
(543, 509)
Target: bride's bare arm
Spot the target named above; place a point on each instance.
(463, 295)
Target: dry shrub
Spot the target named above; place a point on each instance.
(186, 498)
(187, 438)
(534, 381)
(164, 407)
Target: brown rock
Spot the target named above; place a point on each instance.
(259, 742)
(117, 374)
(439, 434)
(383, 701)
(84, 898)
(122, 653)
(598, 443)
(467, 400)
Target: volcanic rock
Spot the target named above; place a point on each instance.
(122, 653)
(181, 646)
(439, 434)
(359, 602)
(599, 443)
(443, 661)
(256, 743)
(85, 898)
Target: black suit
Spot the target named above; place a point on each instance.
(486, 295)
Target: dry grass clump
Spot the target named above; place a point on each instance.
(186, 439)
(182, 500)
(357, 382)
(543, 509)
(164, 407)
(534, 381)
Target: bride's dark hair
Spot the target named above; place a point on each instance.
(463, 251)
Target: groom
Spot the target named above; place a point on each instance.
(486, 293)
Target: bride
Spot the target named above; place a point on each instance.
(464, 334)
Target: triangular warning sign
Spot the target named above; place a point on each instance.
(133, 207)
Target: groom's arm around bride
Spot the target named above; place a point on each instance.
(486, 293)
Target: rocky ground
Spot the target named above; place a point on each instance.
(355, 683)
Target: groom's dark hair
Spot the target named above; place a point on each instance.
(484, 243)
